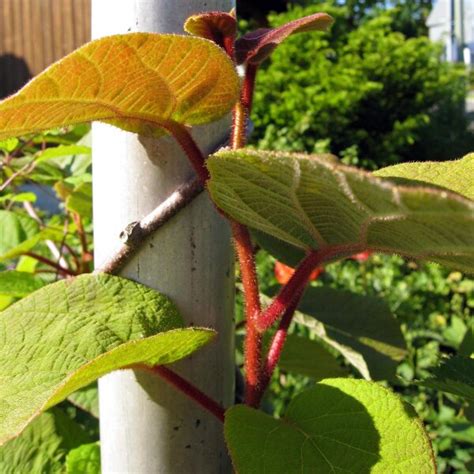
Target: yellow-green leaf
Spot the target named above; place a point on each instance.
(141, 82)
(456, 175)
(311, 202)
(67, 334)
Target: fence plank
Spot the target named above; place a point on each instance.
(35, 33)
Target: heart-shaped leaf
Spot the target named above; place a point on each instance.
(141, 82)
(214, 26)
(457, 175)
(313, 203)
(454, 375)
(340, 425)
(256, 46)
(67, 334)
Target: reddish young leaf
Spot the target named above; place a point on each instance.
(141, 82)
(214, 26)
(256, 46)
(283, 273)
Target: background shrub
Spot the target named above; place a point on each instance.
(368, 95)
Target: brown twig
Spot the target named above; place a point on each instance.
(134, 234)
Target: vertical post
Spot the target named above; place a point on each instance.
(146, 426)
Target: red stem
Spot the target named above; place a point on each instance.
(47, 261)
(249, 86)
(276, 346)
(299, 279)
(243, 245)
(188, 389)
(253, 339)
(291, 290)
(187, 143)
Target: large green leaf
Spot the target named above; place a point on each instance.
(84, 460)
(15, 228)
(455, 175)
(362, 328)
(19, 284)
(312, 202)
(454, 375)
(141, 82)
(66, 335)
(340, 425)
(42, 447)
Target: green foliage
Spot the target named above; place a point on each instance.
(78, 331)
(368, 94)
(312, 202)
(43, 445)
(84, 460)
(339, 425)
(455, 375)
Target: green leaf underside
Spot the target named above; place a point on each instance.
(454, 375)
(307, 357)
(19, 284)
(456, 175)
(313, 203)
(340, 425)
(140, 82)
(84, 460)
(87, 399)
(360, 327)
(67, 334)
(42, 447)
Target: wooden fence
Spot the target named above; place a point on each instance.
(35, 33)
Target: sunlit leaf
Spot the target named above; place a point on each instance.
(456, 175)
(19, 284)
(340, 425)
(80, 200)
(67, 334)
(84, 460)
(256, 46)
(141, 82)
(313, 203)
(15, 228)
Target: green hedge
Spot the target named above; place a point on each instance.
(368, 95)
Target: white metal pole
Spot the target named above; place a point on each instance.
(147, 426)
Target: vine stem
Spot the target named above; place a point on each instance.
(298, 280)
(190, 147)
(276, 346)
(253, 339)
(51, 263)
(187, 388)
(249, 86)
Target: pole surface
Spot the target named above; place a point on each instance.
(147, 426)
